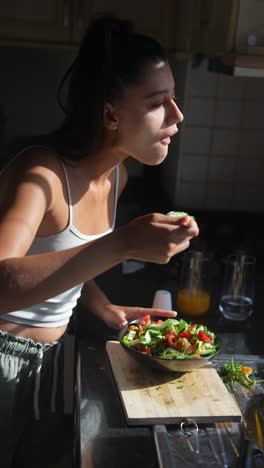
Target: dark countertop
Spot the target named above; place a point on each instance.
(104, 438)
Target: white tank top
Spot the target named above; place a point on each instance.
(57, 310)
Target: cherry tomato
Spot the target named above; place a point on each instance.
(185, 335)
(204, 337)
(145, 320)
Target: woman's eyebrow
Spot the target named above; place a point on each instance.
(158, 93)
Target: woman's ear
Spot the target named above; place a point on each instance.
(110, 117)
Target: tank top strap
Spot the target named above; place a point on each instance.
(117, 172)
(68, 194)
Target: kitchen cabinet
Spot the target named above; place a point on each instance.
(232, 29)
(148, 16)
(203, 26)
(210, 27)
(64, 22)
(250, 25)
(35, 20)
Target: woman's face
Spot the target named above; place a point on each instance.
(147, 116)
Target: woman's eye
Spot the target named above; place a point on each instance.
(156, 104)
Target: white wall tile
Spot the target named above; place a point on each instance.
(228, 113)
(194, 168)
(230, 87)
(225, 142)
(254, 88)
(190, 195)
(221, 168)
(253, 114)
(250, 171)
(196, 140)
(199, 111)
(219, 196)
(248, 197)
(202, 82)
(251, 143)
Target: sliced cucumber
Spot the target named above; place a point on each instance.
(179, 214)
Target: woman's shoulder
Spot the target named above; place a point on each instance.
(33, 162)
(22, 158)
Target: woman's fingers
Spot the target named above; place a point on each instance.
(117, 316)
(138, 312)
(133, 313)
(156, 312)
(157, 237)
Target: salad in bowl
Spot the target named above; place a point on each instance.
(170, 344)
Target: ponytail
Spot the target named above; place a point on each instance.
(111, 57)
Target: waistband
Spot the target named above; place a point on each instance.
(17, 345)
(28, 349)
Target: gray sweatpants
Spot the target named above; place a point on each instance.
(31, 401)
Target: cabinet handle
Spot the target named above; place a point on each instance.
(66, 13)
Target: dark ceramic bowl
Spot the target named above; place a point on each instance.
(167, 365)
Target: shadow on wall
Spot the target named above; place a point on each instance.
(29, 81)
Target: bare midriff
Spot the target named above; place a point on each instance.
(38, 334)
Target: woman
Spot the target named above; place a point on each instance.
(57, 220)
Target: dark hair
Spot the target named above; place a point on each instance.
(111, 56)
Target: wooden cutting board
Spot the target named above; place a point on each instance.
(151, 396)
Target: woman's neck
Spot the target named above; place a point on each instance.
(96, 163)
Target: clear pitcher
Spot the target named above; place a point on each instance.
(237, 295)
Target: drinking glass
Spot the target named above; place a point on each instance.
(193, 296)
(237, 295)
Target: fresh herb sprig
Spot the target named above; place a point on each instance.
(236, 372)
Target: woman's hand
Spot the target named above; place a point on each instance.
(116, 316)
(157, 237)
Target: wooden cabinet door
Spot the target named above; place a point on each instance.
(147, 15)
(81, 16)
(31, 20)
(250, 22)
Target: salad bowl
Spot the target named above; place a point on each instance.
(156, 344)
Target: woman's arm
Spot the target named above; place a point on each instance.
(25, 281)
(29, 280)
(115, 316)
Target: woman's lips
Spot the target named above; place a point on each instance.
(165, 141)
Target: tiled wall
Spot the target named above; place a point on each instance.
(221, 163)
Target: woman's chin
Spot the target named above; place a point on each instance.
(161, 156)
(153, 158)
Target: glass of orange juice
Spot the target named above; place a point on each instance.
(193, 296)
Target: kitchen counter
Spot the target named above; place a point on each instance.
(106, 440)
(102, 436)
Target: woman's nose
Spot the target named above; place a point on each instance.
(174, 114)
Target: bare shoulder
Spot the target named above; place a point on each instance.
(123, 176)
(38, 166)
